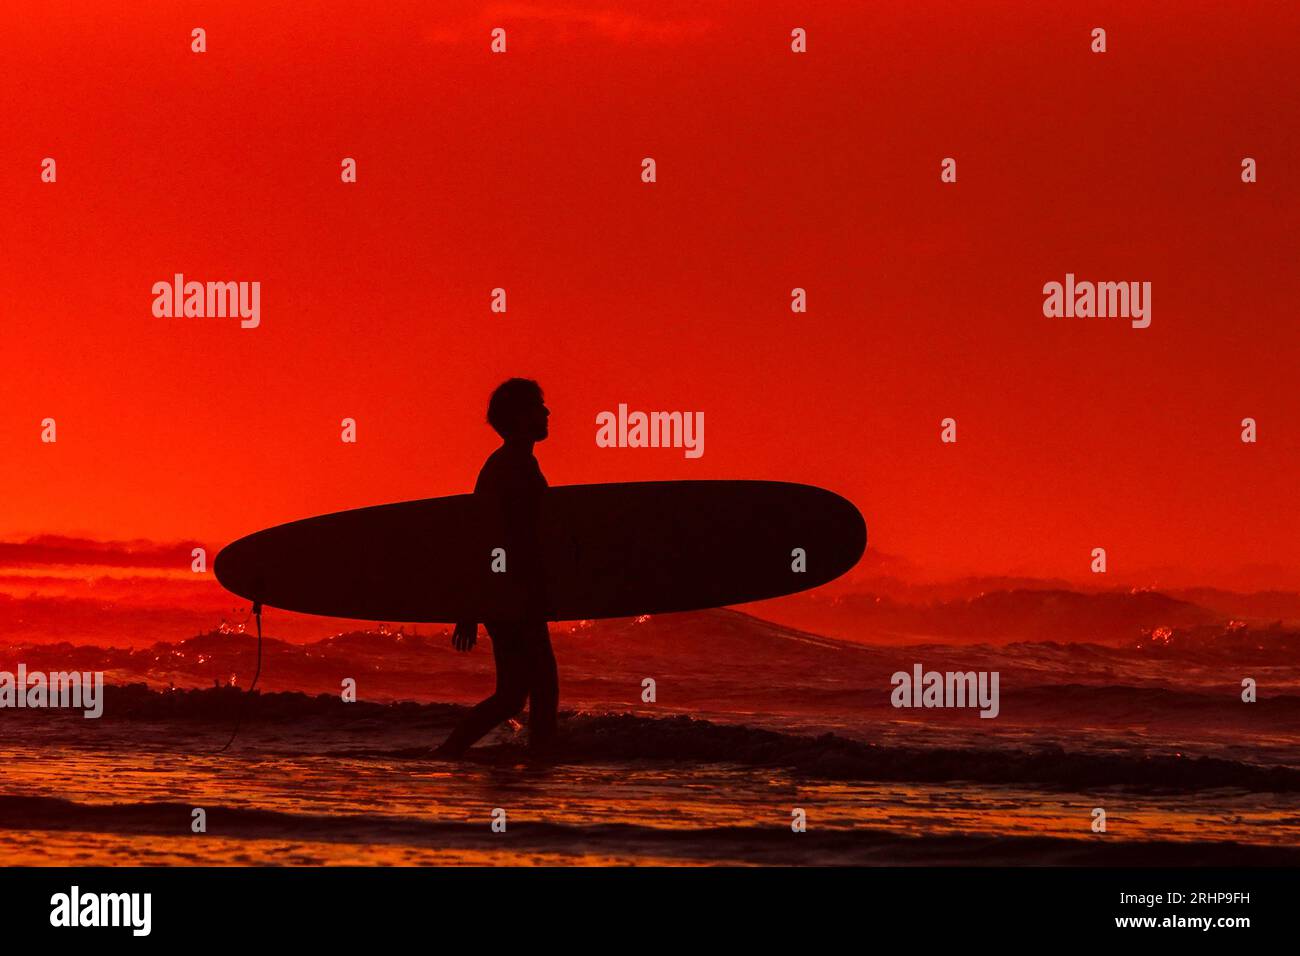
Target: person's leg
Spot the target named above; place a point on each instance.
(513, 672)
(544, 689)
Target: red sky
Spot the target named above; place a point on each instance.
(775, 171)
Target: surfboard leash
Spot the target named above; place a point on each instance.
(243, 700)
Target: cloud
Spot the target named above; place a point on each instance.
(58, 550)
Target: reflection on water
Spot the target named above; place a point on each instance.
(421, 812)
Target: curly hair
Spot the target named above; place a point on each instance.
(509, 400)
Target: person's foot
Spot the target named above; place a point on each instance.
(445, 752)
(542, 750)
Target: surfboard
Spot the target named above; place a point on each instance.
(607, 550)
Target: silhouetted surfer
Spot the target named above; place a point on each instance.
(511, 486)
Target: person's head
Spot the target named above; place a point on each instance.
(517, 412)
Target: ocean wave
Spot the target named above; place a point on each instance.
(137, 716)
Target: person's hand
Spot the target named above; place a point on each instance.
(465, 636)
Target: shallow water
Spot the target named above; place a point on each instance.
(710, 773)
(264, 804)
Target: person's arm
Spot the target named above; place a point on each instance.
(465, 635)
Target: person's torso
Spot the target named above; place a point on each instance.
(511, 475)
(509, 490)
